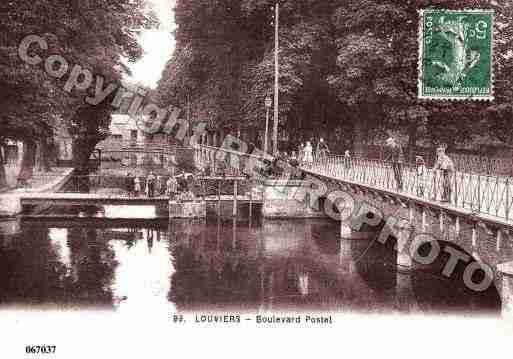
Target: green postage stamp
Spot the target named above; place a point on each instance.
(456, 54)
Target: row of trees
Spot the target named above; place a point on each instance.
(98, 35)
(348, 71)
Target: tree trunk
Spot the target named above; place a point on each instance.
(3, 175)
(27, 162)
(43, 156)
(82, 150)
(358, 135)
(412, 140)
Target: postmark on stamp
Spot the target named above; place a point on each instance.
(456, 54)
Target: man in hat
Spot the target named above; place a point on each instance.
(420, 173)
(446, 166)
(322, 150)
(396, 157)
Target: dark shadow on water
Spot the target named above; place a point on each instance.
(219, 265)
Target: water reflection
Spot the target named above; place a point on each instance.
(142, 276)
(161, 268)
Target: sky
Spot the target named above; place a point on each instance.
(158, 45)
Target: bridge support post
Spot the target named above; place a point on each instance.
(457, 228)
(499, 241)
(250, 205)
(506, 288)
(424, 221)
(405, 297)
(442, 223)
(219, 198)
(475, 235)
(235, 190)
(346, 259)
(404, 261)
(411, 214)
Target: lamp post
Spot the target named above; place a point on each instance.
(276, 77)
(268, 104)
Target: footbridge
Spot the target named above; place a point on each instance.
(364, 196)
(424, 226)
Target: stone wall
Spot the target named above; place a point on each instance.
(290, 199)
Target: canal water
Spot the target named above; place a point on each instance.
(215, 266)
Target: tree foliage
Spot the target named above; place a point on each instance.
(100, 36)
(347, 69)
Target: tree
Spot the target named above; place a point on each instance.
(347, 69)
(33, 102)
(377, 68)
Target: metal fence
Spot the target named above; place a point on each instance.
(38, 180)
(470, 190)
(492, 162)
(220, 161)
(200, 186)
(479, 193)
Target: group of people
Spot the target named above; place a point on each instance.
(151, 186)
(306, 154)
(443, 164)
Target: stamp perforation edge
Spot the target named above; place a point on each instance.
(420, 68)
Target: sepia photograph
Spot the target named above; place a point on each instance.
(305, 178)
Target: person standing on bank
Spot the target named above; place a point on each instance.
(159, 186)
(137, 186)
(396, 157)
(446, 166)
(150, 185)
(172, 187)
(129, 184)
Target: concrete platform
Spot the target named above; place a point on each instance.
(10, 202)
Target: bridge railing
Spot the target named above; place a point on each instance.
(39, 180)
(473, 191)
(201, 186)
(484, 194)
(120, 145)
(221, 161)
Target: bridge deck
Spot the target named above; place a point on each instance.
(406, 197)
(485, 198)
(84, 199)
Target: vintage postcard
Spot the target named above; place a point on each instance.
(279, 178)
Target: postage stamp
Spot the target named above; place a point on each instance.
(456, 54)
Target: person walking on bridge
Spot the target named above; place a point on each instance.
(301, 153)
(322, 150)
(420, 173)
(308, 154)
(396, 157)
(446, 166)
(347, 161)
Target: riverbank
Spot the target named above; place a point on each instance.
(52, 181)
